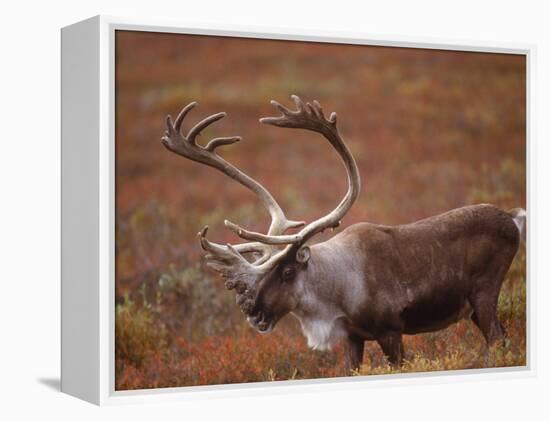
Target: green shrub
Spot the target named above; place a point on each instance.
(137, 334)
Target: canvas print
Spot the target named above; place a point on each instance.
(300, 210)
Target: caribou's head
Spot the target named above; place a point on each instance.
(269, 272)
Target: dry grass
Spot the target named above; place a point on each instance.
(431, 130)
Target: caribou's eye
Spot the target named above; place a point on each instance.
(288, 274)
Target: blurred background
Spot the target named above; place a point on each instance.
(431, 130)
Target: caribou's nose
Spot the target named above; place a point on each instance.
(247, 307)
(240, 287)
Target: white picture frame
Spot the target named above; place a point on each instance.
(88, 213)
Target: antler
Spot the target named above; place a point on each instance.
(187, 147)
(240, 273)
(310, 117)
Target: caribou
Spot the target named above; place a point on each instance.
(369, 281)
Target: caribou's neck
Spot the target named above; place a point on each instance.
(332, 293)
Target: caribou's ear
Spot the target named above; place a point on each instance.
(303, 254)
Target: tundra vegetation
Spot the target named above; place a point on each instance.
(430, 130)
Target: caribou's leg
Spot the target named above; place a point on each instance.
(484, 301)
(392, 346)
(484, 298)
(354, 353)
(485, 318)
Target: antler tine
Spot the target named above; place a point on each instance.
(181, 116)
(221, 141)
(299, 104)
(281, 107)
(201, 125)
(263, 238)
(235, 251)
(310, 117)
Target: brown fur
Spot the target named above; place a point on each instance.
(418, 277)
(421, 276)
